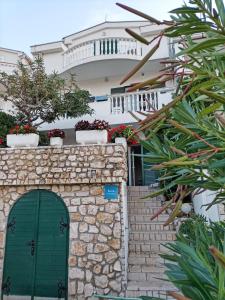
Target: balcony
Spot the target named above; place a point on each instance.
(106, 48)
(115, 108)
(143, 101)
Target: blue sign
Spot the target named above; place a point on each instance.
(111, 192)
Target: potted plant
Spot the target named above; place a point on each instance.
(119, 133)
(22, 136)
(92, 133)
(56, 137)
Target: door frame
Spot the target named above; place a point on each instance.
(37, 222)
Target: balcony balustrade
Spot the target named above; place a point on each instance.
(143, 101)
(106, 47)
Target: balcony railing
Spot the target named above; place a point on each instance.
(143, 101)
(102, 48)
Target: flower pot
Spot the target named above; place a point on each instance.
(22, 140)
(200, 202)
(91, 136)
(56, 141)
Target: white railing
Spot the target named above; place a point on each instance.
(143, 101)
(101, 47)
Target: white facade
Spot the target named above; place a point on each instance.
(8, 63)
(99, 57)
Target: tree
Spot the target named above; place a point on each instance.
(38, 98)
(186, 138)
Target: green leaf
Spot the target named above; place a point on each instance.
(140, 64)
(186, 9)
(209, 43)
(221, 10)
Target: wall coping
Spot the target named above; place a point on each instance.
(59, 147)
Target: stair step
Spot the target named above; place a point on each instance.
(134, 285)
(147, 239)
(144, 211)
(152, 236)
(150, 226)
(141, 276)
(155, 292)
(147, 218)
(144, 259)
(137, 268)
(143, 204)
(150, 247)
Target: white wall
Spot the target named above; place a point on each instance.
(53, 62)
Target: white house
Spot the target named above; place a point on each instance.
(8, 63)
(99, 57)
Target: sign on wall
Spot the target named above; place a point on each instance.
(111, 192)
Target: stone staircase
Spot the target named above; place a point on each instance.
(146, 240)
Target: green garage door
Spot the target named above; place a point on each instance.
(36, 252)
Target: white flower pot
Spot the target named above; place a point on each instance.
(56, 141)
(22, 140)
(200, 202)
(92, 136)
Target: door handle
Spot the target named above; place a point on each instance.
(32, 245)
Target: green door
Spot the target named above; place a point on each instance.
(36, 252)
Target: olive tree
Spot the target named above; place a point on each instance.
(39, 98)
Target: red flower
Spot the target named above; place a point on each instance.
(123, 131)
(22, 129)
(56, 133)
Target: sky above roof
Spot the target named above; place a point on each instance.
(27, 22)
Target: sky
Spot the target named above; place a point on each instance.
(28, 22)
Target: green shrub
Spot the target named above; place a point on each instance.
(6, 123)
(191, 266)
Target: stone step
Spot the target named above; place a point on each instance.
(144, 259)
(142, 276)
(144, 290)
(137, 268)
(153, 285)
(144, 192)
(144, 211)
(150, 226)
(142, 198)
(147, 218)
(152, 236)
(151, 247)
(143, 204)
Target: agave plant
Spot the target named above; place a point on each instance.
(186, 138)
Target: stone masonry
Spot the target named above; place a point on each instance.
(77, 174)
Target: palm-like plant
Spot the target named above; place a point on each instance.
(195, 267)
(186, 138)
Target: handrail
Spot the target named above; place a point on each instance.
(98, 39)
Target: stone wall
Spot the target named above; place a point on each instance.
(77, 174)
(67, 165)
